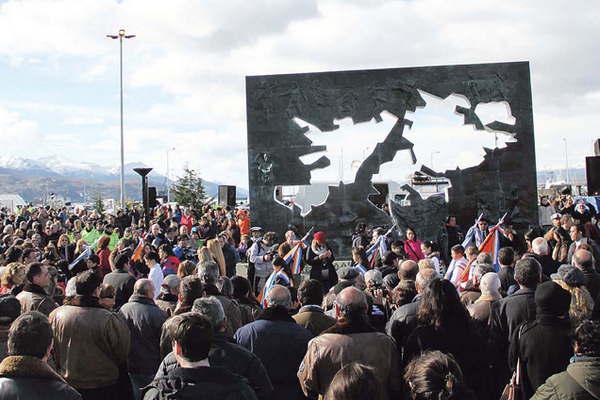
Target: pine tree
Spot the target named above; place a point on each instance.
(99, 204)
(189, 190)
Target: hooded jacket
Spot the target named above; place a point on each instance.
(581, 381)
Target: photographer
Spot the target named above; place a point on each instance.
(261, 254)
(320, 257)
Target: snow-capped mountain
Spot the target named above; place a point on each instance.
(54, 165)
(77, 181)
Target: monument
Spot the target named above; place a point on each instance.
(504, 181)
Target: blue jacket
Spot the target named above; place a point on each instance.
(280, 344)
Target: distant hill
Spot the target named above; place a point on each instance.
(78, 182)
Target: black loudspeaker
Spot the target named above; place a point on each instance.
(592, 172)
(597, 147)
(227, 195)
(152, 197)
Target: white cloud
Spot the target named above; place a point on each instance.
(196, 54)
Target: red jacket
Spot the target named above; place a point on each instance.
(104, 256)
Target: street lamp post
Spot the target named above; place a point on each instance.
(431, 158)
(168, 175)
(566, 161)
(121, 35)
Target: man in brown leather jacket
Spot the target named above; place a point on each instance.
(91, 344)
(34, 296)
(351, 339)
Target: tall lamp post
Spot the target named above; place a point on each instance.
(566, 161)
(168, 176)
(121, 35)
(145, 200)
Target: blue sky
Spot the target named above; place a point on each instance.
(185, 71)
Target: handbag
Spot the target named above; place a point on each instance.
(512, 390)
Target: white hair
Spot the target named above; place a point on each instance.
(490, 284)
(373, 276)
(539, 246)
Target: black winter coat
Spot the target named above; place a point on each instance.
(463, 341)
(207, 383)
(227, 354)
(507, 314)
(319, 268)
(544, 349)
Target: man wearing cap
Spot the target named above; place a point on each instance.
(167, 299)
(320, 257)
(532, 341)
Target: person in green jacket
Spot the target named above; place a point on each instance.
(581, 380)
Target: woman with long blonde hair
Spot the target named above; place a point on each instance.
(214, 246)
(572, 280)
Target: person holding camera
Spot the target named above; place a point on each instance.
(261, 254)
(320, 257)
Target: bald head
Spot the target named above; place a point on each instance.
(144, 288)
(279, 296)
(351, 304)
(408, 270)
(584, 260)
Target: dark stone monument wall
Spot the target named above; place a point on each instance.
(504, 181)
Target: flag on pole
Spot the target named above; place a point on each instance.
(137, 253)
(294, 256)
(491, 246)
(379, 248)
(272, 281)
(85, 254)
(470, 237)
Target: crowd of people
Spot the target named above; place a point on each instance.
(202, 305)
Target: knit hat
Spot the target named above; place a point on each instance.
(561, 272)
(347, 273)
(551, 298)
(574, 277)
(320, 237)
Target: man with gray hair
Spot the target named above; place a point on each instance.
(208, 272)
(471, 292)
(223, 352)
(351, 339)
(279, 342)
(542, 253)
(404, 319)
(145, 321)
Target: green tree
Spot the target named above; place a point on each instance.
(189, 190)
(99, 204)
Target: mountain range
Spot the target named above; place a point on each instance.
(78, 182)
